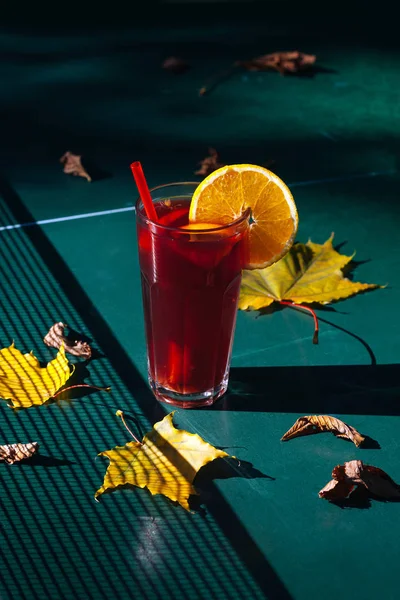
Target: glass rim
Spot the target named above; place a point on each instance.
(245, 215)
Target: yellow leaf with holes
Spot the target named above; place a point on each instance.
(25, 383)
(309, 273)
(165, 462)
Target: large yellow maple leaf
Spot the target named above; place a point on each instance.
(309, 273)
(25, 383)
(165, 462)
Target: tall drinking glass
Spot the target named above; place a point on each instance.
(190, 285)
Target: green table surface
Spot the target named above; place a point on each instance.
(261, 531)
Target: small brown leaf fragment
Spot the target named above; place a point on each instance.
(56, 338)
(321, 423)
(350, 471)
(175, 65)
(73, 165)
(339, 473)
(283, 62)
(210, 163)
(12, 453)
(336, 490)
(354, 473)
(379, 483)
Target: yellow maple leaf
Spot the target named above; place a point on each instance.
(25, 382)
(165, 462)
(308, 273)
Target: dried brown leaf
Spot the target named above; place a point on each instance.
(175, 65)
(350, 471)
(336, 490)
(339, 473)
(73, 165)
(355, 473)
(56, 338)
(210, 163)
(12, 453)
(283, 62)
(321, 423)
(379, 483)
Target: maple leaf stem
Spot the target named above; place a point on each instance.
(81, 385)
(120, 413)
(308, 309)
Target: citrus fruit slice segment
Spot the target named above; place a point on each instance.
(223, 196)
(201, 226)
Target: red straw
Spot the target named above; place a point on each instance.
(144, 192)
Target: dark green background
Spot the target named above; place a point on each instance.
(97, 88)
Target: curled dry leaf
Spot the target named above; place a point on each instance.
(355, 473)
(73, 165)
(321, 423)
(12, 453)
(175, 65)
(209, 164)
(283, 62)
(56, 338)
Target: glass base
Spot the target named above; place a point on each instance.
(194, 400)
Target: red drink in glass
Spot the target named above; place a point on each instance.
(190, 284)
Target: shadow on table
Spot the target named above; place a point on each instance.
(361, 498)
(40, 460)
(347, 389)
(48, 265)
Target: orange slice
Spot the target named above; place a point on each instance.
(204, 229)
(202, 225)
(223, 196)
